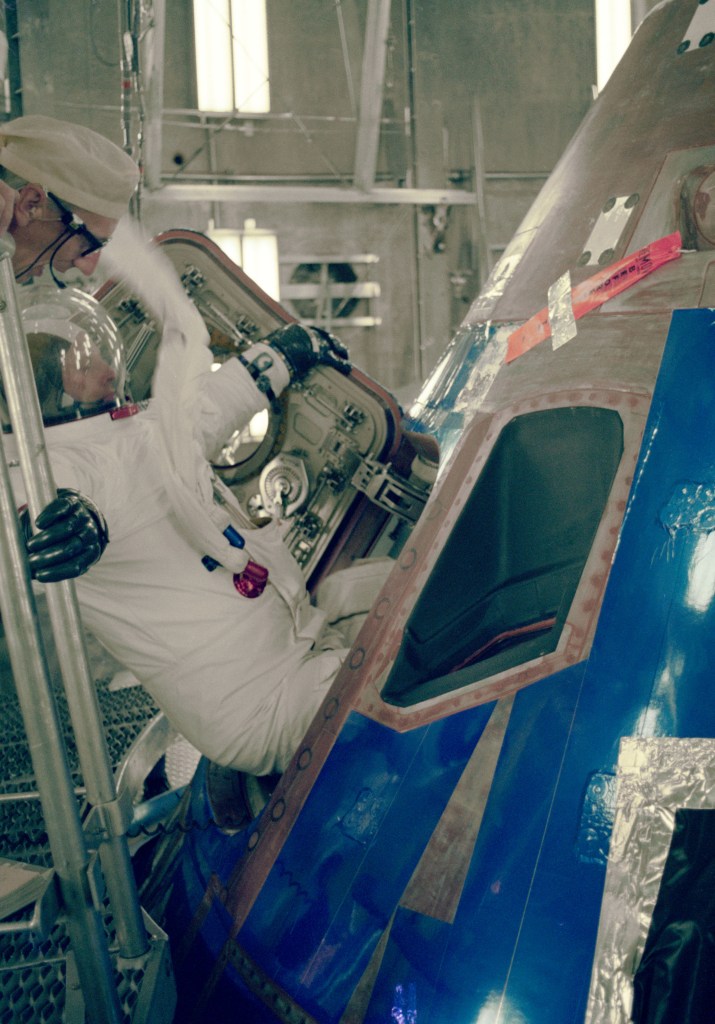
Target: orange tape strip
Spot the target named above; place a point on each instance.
(596, 290)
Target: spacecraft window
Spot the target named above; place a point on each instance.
(246, 452)
(697, 201)
(244, 443)
(500, 591)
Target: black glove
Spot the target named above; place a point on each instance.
(302, 348)
(72, 536)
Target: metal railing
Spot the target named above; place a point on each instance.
(109, 816)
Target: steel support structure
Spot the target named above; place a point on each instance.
(71, 857)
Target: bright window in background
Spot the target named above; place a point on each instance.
(254, 250)
(228, 240)
(613, 34)
(231, 42)
(250, 56)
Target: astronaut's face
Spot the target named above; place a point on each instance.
(86, 376)
(47, 231)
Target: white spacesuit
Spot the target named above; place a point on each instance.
(240, 677)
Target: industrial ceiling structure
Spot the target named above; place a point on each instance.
(404, 143)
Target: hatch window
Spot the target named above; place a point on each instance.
(500, 590)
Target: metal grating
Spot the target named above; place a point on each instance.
(32, 979)
(33, 970)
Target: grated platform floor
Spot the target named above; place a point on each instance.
(33, 970)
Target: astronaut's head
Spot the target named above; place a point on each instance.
(72, 185)
(76, 353)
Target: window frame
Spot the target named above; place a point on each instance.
(372, 659)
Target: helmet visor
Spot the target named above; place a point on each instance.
(76, 353)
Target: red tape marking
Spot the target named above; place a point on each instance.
(596, 290)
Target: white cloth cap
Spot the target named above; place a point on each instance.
(76, 163)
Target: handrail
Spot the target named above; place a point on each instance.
(60, 809)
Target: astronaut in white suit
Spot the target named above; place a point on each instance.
(238, 661)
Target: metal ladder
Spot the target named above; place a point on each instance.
(90, 878)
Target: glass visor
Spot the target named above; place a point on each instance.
(76, 352)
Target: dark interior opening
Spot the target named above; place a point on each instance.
(675, 981)
(501, 588)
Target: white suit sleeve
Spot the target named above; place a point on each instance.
(84, 471)
(229, 399)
